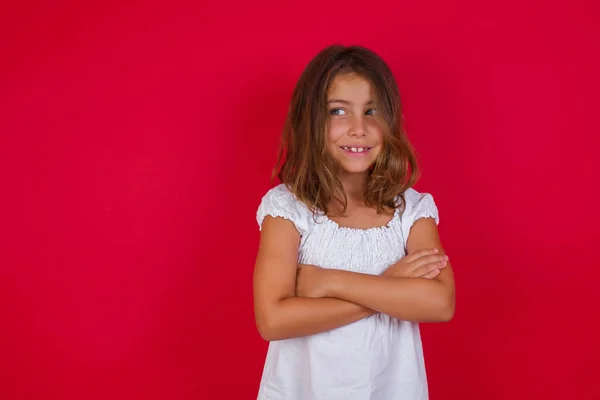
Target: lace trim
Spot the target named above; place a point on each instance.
(277, 213)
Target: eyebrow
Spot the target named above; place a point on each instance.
(346, 101)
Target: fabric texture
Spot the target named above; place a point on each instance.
(376, 358)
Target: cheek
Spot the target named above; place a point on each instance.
(376, 131)
(335, 130)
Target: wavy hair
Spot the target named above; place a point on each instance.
(303, 163)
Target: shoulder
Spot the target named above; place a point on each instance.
(419, 205)
(280, 197)
(280, 202)
(279, 192)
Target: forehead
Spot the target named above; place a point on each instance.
(350, 87)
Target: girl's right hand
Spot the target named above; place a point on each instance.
(420, 264)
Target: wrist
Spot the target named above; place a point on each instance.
(333, 279)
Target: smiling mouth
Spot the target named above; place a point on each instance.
(355, 149)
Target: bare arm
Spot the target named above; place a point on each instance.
(279, 313)
(411, 299)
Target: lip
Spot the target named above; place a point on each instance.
(356, 153)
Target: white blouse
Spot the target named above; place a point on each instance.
(376, 358)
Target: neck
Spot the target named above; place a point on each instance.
(354, 185)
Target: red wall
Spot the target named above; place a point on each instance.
(137, 139)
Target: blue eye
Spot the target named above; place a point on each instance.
(371, 111)
(336, 111)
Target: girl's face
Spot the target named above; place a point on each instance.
(354, 133)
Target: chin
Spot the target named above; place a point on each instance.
(355, 169)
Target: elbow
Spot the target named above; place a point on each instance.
(268, 329)
(266, 333)
(446, 314)
(270, 321)
(445, 304)
(446, 309)
(264, 329)
(270, 333)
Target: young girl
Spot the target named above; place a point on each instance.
(350, 259)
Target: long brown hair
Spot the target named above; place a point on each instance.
(304, 165)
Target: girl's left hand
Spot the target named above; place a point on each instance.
(311, 281)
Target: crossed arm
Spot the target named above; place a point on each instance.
(333, 298)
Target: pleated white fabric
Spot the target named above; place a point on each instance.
(376, 358)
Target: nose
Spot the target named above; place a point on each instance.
(358, 128)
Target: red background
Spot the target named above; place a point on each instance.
(137, 139)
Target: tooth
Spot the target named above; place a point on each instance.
(354, 149)
(360, 149)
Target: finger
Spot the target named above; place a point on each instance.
(420, 253)
(438, 260)
(431, 274)
(429, 267)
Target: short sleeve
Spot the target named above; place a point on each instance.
(426, 208)
(280, 202)
(418, 205)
